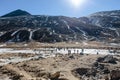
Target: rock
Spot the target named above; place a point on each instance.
(100, 59)
(115, 75)
(106, 71)
(107, 59)
(95, 64)
(81, 53)
(110, 59)
(80, 71)
(72, 57)
(98, 66)
(16, 77)
(55, 76)
(91, 72)
(101, 67)
(45, 75)
(106, 78)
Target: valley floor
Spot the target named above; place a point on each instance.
(30, 64)
(58, 68)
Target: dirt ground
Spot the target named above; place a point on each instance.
(60, 67)
(56, 68)
(32, 45)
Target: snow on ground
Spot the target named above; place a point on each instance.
(10, 50)
(15, 32)
(48, 52)
(56, 50)
(85, 51)
(2, 45)
(15, 60)
(31, 33)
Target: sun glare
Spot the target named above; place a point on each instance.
(76, 3)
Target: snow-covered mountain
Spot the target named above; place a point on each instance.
(42, 28)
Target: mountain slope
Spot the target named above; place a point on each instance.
(109, 20)
(104, 19)
(57, 28)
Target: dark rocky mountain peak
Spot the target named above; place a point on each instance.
(16, 13)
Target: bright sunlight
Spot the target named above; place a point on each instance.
(76, 3)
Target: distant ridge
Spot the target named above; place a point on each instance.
(18, 12)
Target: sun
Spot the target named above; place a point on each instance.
(76, 3)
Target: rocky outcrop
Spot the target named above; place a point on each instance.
(100, 70)
(115, 75)
(107, 59)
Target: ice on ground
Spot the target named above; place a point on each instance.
(10, 50)
(48, 52)
(57, 50)
(85, 51)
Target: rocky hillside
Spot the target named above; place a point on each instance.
(20, 26)
(109, 20)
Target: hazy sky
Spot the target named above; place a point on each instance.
(73, 8)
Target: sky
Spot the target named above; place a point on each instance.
(71, 8)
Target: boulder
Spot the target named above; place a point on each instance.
(115, 75)
(107, 59)
(98, 66)
(100, 59)
(80, 71)
(106, 71)
(110, 59)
